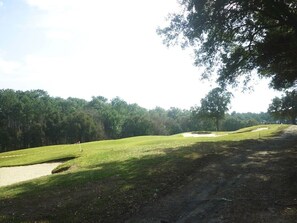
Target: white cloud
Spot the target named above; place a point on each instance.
(50, 5)
(256, 100)
(8, 67)
(108, 48)
(60, 35)
(111, 18)
(115, 49)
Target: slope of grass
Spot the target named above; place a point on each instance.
(89, 154)
(109, 178)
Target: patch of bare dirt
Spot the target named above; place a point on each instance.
(254, 182)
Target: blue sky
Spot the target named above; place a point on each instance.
(75, 48)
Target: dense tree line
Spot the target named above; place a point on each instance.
(33, 118)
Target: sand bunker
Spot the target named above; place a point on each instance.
(188, 134)
(259, 129)
(11, 175)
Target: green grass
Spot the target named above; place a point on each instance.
(109, 178)
(100, 152)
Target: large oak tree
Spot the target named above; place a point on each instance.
(215, 105)
(238, 37)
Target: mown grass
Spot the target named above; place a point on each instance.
(87, 155)
(111, 178)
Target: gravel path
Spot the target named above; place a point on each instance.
(11, 175)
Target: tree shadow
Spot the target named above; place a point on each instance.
(114, 191)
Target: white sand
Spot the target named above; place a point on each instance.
(188, 134)
(259, 129)
(11, 175)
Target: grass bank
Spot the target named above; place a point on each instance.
(108, 179)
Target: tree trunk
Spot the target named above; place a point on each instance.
(294, 120)
(217, 124)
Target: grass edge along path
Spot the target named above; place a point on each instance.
(111, 178)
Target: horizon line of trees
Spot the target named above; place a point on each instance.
(284, 109)
(33, 118)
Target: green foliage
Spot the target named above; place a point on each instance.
(238, 37)
(285, 108)
(215, 105)
(33, 118)
(235, 121)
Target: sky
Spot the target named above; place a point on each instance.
(85, 48)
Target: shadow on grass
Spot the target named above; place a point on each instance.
(114, 191)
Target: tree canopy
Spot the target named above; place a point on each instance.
(238, 37)
(33, 118)
(285, 108)
(215, 105)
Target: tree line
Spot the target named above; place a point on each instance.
(284, 109)
(33, 118)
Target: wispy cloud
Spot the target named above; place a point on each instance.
(86, 48)
(8, 67)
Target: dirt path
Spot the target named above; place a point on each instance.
(11, 175)
(254, 183)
